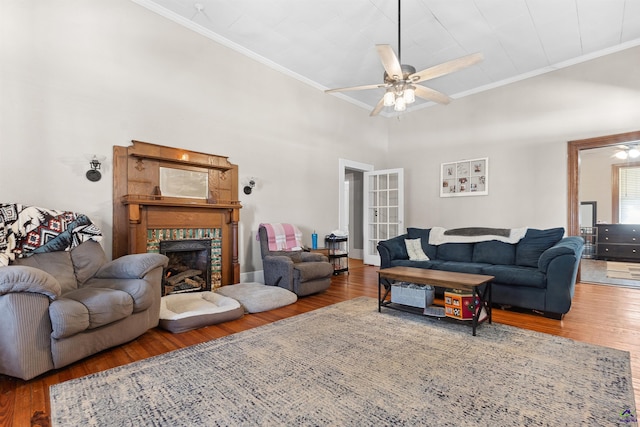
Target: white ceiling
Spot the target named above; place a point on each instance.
(331, 43)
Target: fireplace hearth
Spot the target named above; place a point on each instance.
(189, 268)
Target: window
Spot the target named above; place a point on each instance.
(626, 193)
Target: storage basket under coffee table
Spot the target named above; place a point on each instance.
(479, 285)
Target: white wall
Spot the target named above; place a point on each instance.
(523, 128)
(78, 77)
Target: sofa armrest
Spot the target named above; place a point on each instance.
(392, 249)
(278, 271)
(20, 278)
(560, 264)
(572, 245)
(134, 266)
(314, 257)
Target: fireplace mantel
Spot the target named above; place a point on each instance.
(140, 209)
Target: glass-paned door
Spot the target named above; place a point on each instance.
(383, 210)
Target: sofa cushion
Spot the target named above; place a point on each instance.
(461, 252)
(68, 317)
(414, 249)
(423, 235)
(517, 276)
(494, 252)
(87, 259)
(103, 305)
(140, 290)
(461, 267)
(534, 243)
(416, 264)
(58, 264)
(307, 271)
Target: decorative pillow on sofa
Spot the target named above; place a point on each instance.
(534, 243)
(414, 249)
(423, 235)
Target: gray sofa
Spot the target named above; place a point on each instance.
(538, 272)
(59, 307)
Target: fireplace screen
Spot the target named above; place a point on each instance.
(189, 268)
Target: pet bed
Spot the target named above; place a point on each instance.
(183, 312)
(256, 297)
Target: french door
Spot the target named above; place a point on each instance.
(383, 210)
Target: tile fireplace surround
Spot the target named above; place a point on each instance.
(143, 216)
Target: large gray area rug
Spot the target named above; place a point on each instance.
(347, 364)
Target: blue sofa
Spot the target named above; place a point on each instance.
(537, 273)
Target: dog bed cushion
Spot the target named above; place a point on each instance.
(183, 312)
(256, 297)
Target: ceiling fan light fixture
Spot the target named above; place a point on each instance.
(409, 95)
(401, 104)
(389, 99)
(634, 152)
(622, 155)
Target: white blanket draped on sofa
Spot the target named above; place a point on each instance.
(440, 235)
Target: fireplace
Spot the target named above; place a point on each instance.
(189, 268)
(143, 216)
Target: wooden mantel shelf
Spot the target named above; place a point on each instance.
(135, 199)
(145, 150)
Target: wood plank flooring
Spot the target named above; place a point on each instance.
(604, 315)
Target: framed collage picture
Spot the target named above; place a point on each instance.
(465, 178)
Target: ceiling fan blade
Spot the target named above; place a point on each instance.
(446, 68)
(345, 89)
(389, 61)
(378, 108)
(432, 95)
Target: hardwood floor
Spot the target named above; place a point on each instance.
(604, 315)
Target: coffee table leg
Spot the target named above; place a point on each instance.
(484, 303)
(476, 296)
(489, 302)
(386, 283)
(379, 294)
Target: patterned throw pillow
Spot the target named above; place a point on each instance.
(414, 249)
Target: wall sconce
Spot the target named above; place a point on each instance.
(94, 174)
(249, 187)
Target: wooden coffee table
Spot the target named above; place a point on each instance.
(478, 284)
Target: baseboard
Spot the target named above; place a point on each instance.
(356, 254)
(252, 276)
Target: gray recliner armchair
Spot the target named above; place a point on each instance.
(300, 272)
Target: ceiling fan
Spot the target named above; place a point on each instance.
(626, 151)
(401, 80)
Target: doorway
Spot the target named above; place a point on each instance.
(592, 270)
(351, 202)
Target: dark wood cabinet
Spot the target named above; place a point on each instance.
(618, 242)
